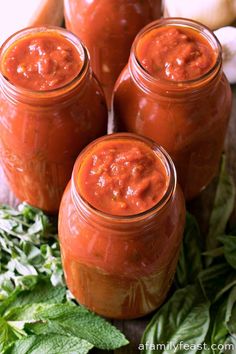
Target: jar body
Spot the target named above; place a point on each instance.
(39, 143)
(191, 127)
(108, 28)
(117, 271)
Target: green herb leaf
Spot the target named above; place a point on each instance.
(223, 207)
(214, 253)
(50, 344)
(24, 313)
(42, 292)
(230, 345)
(229, 243)
(231, 312)
(217, 280)
(219, 332)
(190, 262)
(28, 248)
(184, 318)
(79, 322)
(7, 334)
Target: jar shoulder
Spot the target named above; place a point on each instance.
(89, 91)
(127, 89)
(167, 224)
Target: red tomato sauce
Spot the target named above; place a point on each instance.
(121, 266)
(108, 28)
(42, 132)
(41, 61)
(122, 178)
(175, 53)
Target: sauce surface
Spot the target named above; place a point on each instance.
(175, 53)
(122, 177)
(41, 61)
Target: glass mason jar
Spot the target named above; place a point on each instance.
(121, 266)
(188, 118)
(42, 132)
(108, 28)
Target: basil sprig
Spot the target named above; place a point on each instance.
(202, 311)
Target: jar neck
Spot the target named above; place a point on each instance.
(176, 89)
(61, 95)
(124, 224)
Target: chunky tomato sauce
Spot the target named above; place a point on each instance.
(41, 61)
(122, 178)
(42, 132)
(118, 266)
(175, 53)
(173, 91)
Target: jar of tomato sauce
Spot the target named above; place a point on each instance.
(51, 107)
(173, 90)
(108, 28)
(121, 222)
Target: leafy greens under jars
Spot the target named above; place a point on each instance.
(36, 311)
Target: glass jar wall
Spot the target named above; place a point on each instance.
(120, 266)
(186, 111)
(44, 127)
(107, 28)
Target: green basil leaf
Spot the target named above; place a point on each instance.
(219, 331)
(223, 207)
(78, 322)
(216, 280)
(214, 253)
(184, 318)
(230, 345)
(50, 344)
(231, 312)
(222, 318)
(190, 261)
(229, 243)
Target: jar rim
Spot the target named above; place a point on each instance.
(40, 94)
(163, 155)
(180, 22)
